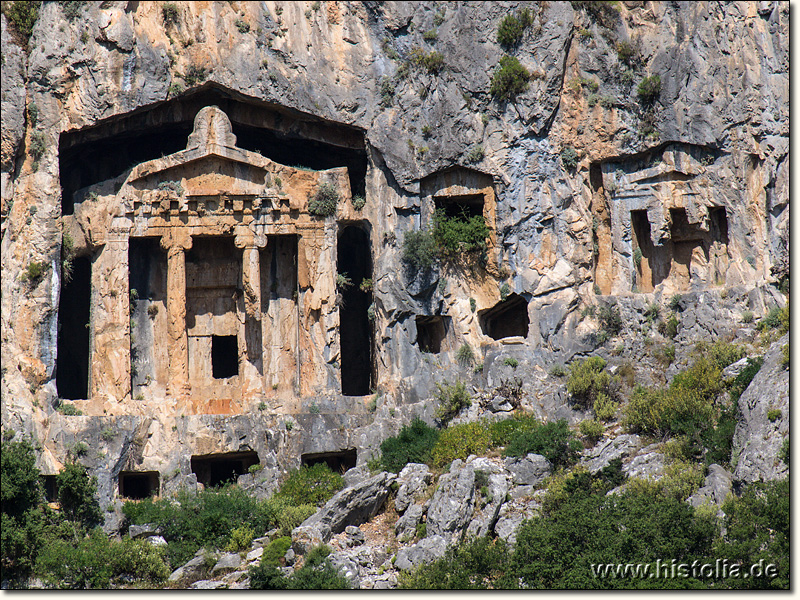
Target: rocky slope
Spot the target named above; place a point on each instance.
(571, 163)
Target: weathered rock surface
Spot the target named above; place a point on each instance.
(453, 502)
(758, 440)
(406, 527)
(423, 552)
(350, 506)
(529, 470)
(716, 487)
(601, 455)
(412, 479)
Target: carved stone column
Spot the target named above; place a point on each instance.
(251, 286)
(176, 243)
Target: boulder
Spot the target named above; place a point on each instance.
(355, 537)
(157, 540)
(228, 562)
(140, 531)
(406, 527)
(529, 470)
(453, 502)
(413, 479)
(423, 552)
(602, 454)
(717, 486)
(350, 506)
(757, 440)
(649, 464)
(191, 568)
(733, 370)
(486, 516)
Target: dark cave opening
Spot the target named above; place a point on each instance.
(50, 487)
(138, 485)
(354, 260)
(72, 365)
(338, 462)
(507, 318)
(224, 356)
(109, 148)
(432, 333)
(218, 469)
(463, 207)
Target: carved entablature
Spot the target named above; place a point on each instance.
(213, 183)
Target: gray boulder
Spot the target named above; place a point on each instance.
(355, 537)
(413, 480)
(602, 454)
(191, 568)
(406, 527)
(715, 489)
(426, 551)
(140, 531)
(486, 516)
(733, 370)
(350, 506)
(453, 502)
(649, 464)
(227, 563)
(530, 470)
(758, 440)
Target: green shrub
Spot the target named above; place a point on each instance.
(325, 200)
(475, 564)
(511, 362)
(430, 35)
(432, 61)
(721, 353)
(77, 495)
(627, 53)
(358, 202)
(649, 89)
(509, 80)
(757, 527)
(240, 539)
(311, 485)
(169, 12)
(785, 356)
(684, 408)
(605, 407)
(783, 453)
(669, 328)
(265, 575)
(747, 316)
(23, 15)
(242, 25)
(777, 318)
(451, 399)
(476, 154)
(465, 355)
(509, 32)
(502, 432)
(587, 379)
(605, 13)
(317, 573)
(72, 8)
(569, 157)
(554, 441)
(558, 371)
(96, 562)
(38, 148)
(592, 429)
(675, 303)
(419, 249)
(292, 516)
(459, 441)
(610, 319)
(773, 414)
(413, 444)
(459, 234)
(555, 550)
(195, 75)
(505, 291)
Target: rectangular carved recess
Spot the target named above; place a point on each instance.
(147, 279)
(432, 333)
(217, 469)
(280, 319)
(213, 295)
(138, 485)
(74, 313)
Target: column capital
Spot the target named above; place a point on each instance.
(176, 240)
(246, 238)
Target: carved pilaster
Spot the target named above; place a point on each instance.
(176, 243)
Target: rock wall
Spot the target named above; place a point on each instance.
(564, 170)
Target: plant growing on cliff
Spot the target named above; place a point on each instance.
(325, 201)
(38, 148)
(358, 201)
(419, 249)
(34, 272)
(22, 15)
(459, 234)
(509, 80)
(451, 399)
(195, 75)
(72, 8)
(465, 355)
(649, 89)
(169, 12)
(433, 61)
(511, 28)
(569, 157)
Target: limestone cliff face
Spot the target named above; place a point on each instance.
(588, 190)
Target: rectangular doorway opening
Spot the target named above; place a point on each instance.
(338, 462)
(138, 485)
(507, 318)
(50, 486)
(432, 333)
(218, 469)
(72, 365)
(354, 260)
(224, 356)
(462, 207)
